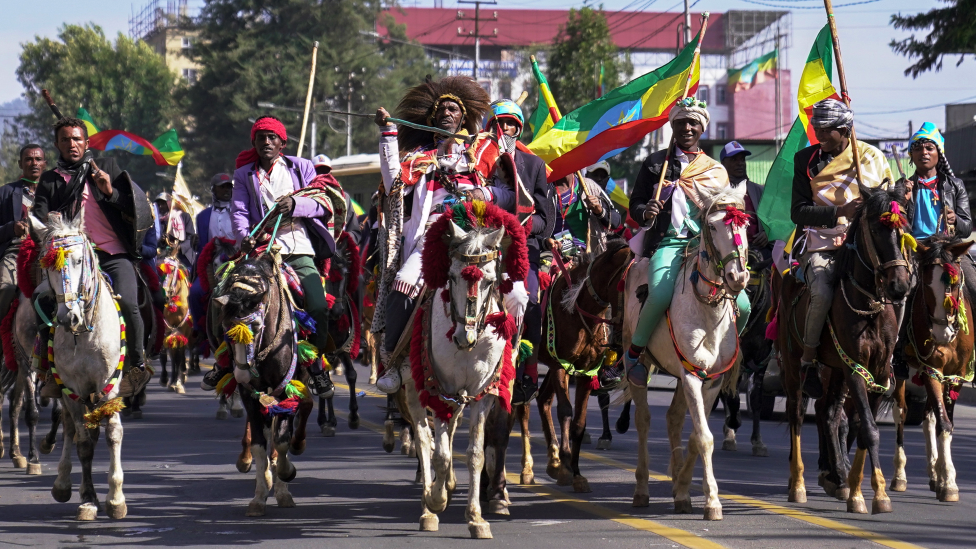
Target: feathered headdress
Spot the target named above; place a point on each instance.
(420, 102)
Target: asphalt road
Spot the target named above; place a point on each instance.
(182, 489)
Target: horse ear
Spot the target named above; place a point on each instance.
(36, 226)
(222, 299)
(456, 231)
(494, 238)
(959, 249)
(921, 247)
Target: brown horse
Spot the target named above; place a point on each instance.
(578, 306)
(855, 350)
(939, 343)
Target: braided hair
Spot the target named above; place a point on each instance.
(942, 168)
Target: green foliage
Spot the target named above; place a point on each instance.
(124, 86)
(952, 30)
(260, 51)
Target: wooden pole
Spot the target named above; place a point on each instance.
(843, 84)
(684, 95)
(521, 98)
(308, 99)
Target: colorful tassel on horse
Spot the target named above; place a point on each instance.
(450, 332)
(459, 214)
(963, 319)
(298, 390)
(736, 217)
(610, 357)
(307, 353)
(545, 280)
(737, 238)
(226, 385)
(894, 219)
(478, 208)
(304, 320)
(221, 350)
(107, 409)
(525, 350)
(286, 407)
(241, 333)
(504, 325)
(330, 300)
(176, 341)
(54, 259)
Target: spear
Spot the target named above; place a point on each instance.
(843, 84)
(308, 97)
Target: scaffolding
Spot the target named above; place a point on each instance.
(750, 34)
(154, 16)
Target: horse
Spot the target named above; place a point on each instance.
(698, 346)
(872, 274)
(86, 355)
(256, 313)
(176, 318)
(342, 284)
(938, 335)
(578, 302)
(461, 351)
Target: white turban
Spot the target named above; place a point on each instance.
(690, 108)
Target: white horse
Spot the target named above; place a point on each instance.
(465, 365)
(88, 354)
(704, 334)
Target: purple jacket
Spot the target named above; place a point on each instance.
(247, 208)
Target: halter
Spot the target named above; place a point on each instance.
(59, 249)
(243, 332)
(734, 218)
(170, 281)
(474, 319)
(877, 300)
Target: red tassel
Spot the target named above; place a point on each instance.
(545, 280)
(504, 325)
(26, 258)
(450, 333)
(7, 336)
(445, 296)
(472, 273)
(506, 286)
(343, 323)
(330, 300)
(621, 284)
(917, 379)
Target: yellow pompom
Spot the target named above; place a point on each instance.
(241, 333)
(479, 209)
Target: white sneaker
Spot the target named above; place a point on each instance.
(390, 381)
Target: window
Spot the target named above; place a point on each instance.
(505, 88)
(722, 131)
(186, 43)
(721, 96)
(703, 93)
(190, 75)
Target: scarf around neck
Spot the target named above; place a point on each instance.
(79, 172)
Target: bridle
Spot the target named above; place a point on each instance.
(720, 290)
(55, 259)
(877, 300)
(953, 280)
(474, 319)
(169, 283)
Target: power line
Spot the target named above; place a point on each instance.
(913, 109)
(807, 7)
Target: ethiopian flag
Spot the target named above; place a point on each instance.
(815, 86)
(546, 113)
(756, 72)
(604, 127)
(165, 150)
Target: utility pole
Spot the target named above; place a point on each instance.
(477, 29)
(349, 118)
(687, 23)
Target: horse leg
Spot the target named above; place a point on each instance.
(830, 425)
(623, 422)
(945, 486)
(544, 402)
(47, 445)
(259, 449)
(700, 398)
(285, 470)
(451, 430)
(31, 417)
(326, 416)
(297, 441)
(642, 419)
(85, 444)
(61, 491)
(163, 375)
(900, 411)
(528, 476)
(732, 405)
(115, 503)
(351, 377)
(477, 526)
(680, 479)
(418, 416)
(388, 424)
(797, 490)
(136, 404)
(868, 442)
(603, 443)
(244, 460)
(498, 430)
(577, 428)
(16, 405)
(564, 411)
(436, 497)
(755, 403)
(236, 408)
(222, 412)
(951, 492)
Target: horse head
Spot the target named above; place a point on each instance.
(243, 307)
(724, 243)
(72, 268)
(474, 274)
(884, 238)
(942, 285)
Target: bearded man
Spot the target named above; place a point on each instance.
(16, 200)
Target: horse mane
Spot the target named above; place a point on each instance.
(260, 273)
(578, 272)
(709, 197)
(59, 225)
(936, 247)
(876, 202)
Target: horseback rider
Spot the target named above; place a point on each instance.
(419, 162)
(264, 182)
(16, 200)
(506, 121)
(825, 199)
(212, 222)
(110, 203)
(178, 233)
(670, 221)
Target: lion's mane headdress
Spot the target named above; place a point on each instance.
(420, 102)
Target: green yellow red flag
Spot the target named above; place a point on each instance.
(756, 72)
(546, 113)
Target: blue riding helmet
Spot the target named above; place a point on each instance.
(505, 108)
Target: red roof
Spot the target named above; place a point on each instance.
(515, 27)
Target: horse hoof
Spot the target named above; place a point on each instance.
(237, 413)
(178, 389)
(288, 476)
(330, 431)
(405, 449)
(797, 496)
(116, 511)
(581, 485)
(682, 506)
(354, 422)
(603, 443)
(641, 500)
(428, 523)
(87, 511)
(255, 509)
(33, 468)
(61, 495)
(821, 478)
(932, 486)
(552, 469)
(948, 495)
(163, 380)
(498, 507)
(879, 506)
(830, 488)
(19, 462)
(587, 439)
(372, 380)
(136, 414)
(728, 445)
(899, 485)
(713, 513)
(565, 477)
(842, 493)
(222, 414)
(479, 530)
(243, 466)
(286, 501)
(527, 478)
(46, 448)
(857, 506)
(760, 451)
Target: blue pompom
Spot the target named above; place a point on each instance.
(694, 276)
(305, 320)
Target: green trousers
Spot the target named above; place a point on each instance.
(661, 276)
(315, 304)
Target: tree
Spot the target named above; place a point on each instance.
(255, 52)
(124, 85)
(953, 31)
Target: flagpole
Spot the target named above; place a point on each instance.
(308, 99)
(691, 73)
(843, 84)
(779, 96)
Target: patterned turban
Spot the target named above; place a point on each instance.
(692, 108)
(930, 132)
(831, 113)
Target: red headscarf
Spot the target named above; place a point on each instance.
(250, 156)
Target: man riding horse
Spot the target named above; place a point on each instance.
(16, 200)
(116, 217)
(670, 221)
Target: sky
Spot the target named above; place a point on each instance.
(884, 99)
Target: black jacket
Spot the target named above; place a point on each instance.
(11, 206)
(120, 210)
(532, 171)
(953, 194)
(803, 210)
(647, 178)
